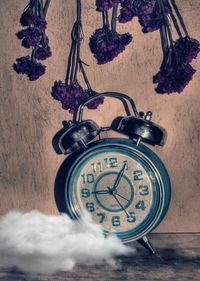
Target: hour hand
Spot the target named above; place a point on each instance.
(100, 192)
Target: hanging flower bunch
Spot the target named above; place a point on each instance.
(70, 93)
(175, 71)
(33, 37)
(179, 49)
(147, 11)
(106, 44)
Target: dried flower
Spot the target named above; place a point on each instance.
(30, 37)
(175, 80)
(93, 104)
(71, 96)
(27, 19)
(150, 16)
(104, 5)
(131, 8)
(175, 71)
(174, 74)
(107, 45)
(34, 37)
(43, 53)
(70, 93)
(150, 22)
(187, 48)
(26, 66)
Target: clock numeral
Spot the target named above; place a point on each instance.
(85, 192)
(116, 221)
(111, 162)
(87, 178)
(131, 217)
(101, 216)
(140, 205)
(137, 175)
(90, 206)
(97, 166)
(144, 190)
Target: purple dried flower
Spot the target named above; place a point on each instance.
(43, 53)
(126, 15)
(177, 81)
(150, 22)
(71, 96)
(33, 70)
(27, 19)
(187, 48)
(59, 91)
(146, 7)
(131, 8)
(174, 80)
(151, 18)
(40, 23)
(22, 64)
(20, 34)
(93, 104)
(33, 37)
(106, 44)
(104, 5)
(30, 36)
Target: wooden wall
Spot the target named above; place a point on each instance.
(30, 117)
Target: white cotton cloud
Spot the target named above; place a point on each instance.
(38, 243)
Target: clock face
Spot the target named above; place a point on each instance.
(119, 186)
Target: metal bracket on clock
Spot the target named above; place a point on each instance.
(145, 242)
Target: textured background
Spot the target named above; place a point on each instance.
(30, 117)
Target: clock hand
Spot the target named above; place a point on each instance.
(119, 176)
(110, 192)
(122, 197)
(100, 192)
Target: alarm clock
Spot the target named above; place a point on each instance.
(120, 181)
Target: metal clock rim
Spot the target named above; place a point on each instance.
(159, 212)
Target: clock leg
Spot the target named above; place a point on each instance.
(144, 241)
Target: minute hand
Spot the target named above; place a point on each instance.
(119, 176)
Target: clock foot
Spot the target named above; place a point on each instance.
(144, 241)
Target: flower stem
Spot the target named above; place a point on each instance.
(46, 6)
(164, 40)
(107, 19)
(84, 75)
(114, 18)
(40, 8)
(69, 64)
(176, 25)
(163, 31)
(166, 22)
(78, 29)
(179, 17)
(104, 19)
(73, 63)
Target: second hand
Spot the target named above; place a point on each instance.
(118, 201)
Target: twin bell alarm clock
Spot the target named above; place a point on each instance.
(120, 181)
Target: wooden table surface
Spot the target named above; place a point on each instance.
(177, 259)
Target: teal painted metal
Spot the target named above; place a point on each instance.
(153, 166)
